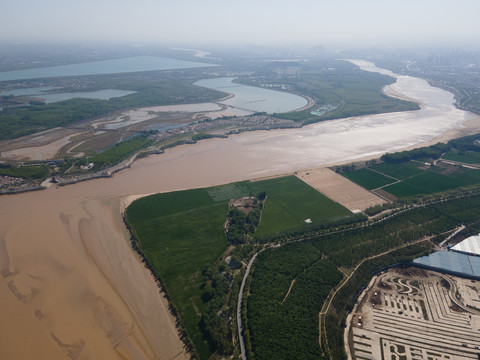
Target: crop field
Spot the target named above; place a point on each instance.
(290, 202)
(399, 171)
(368, 179)
(469, 157)
(434, 181)
(426, 183)
(339, 189)
(414, 178)
(232, 191)
(180, 233)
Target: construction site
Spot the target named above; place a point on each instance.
(412, 313)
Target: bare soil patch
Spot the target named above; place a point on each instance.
(340, 189)
(385, 195)
(245, 204)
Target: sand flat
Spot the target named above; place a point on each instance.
(70, 278)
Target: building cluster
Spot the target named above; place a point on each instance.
(249, 122)
(8, 181)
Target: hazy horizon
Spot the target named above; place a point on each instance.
(278, 23)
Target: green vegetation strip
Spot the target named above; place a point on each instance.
(180, 233)
(119, 152)
(432, 182)
(25, 172)
(417, 170)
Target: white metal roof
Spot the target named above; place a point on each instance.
(470, 245)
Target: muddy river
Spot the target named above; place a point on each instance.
(70, 287)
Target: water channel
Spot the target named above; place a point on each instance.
(113, 66)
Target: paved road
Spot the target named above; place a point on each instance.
(239, 306)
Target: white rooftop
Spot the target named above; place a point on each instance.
(470, 245)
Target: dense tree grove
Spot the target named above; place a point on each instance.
(269, 317)
(240, 223)
(286, 327)
(214, 322)
(428, 152)
(466, 143)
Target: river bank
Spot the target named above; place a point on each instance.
(71, 285)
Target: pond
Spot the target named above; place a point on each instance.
(253, 98)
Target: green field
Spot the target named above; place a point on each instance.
(469, 157)
(232, 191)
(290, 201)
(431, 182)
(368, 179)
(399, 171)
(181, 233)
(383, 174)
(415, 178)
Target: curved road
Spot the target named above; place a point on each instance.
(239, 305)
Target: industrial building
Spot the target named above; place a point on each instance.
(462, 259)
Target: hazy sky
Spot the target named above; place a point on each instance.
(278, 22)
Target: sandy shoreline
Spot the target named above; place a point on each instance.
(70, 286)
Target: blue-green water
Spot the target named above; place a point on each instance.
(116, 66)
(254, 98)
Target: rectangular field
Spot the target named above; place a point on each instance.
(368, 179)
(180, 233)
(399, 171)
(290, 201)
(414, 178)
(431, 182)
(340, 189)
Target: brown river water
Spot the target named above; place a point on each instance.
(70, 286)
